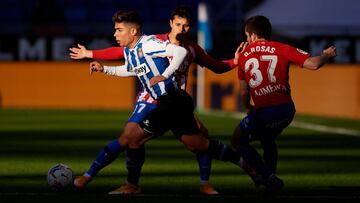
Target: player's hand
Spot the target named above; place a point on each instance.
(156, 79)
(96, 67)
(80, 52)
(239, 50)
(330, 52)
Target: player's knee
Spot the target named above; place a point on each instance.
(123, 140)
(134, 140)
(138, 139)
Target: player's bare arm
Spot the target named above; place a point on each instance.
(205, 60)
(80, 52)
(316, 62)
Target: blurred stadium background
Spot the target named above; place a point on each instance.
(49, 104)
(36, 72)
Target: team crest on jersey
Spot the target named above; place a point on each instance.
(140, 53)
(141, 70)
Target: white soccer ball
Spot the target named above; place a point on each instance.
(60, 177)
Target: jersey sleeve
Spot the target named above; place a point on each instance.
(112, 53)
(121, 71)
(178, 54)
(241, 64)
(230, 62)
(205, 60)
(295, 55)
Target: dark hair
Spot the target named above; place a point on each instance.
(182, 11)
(260, 25)
(127, 17)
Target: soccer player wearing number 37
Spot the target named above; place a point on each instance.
(263, 72)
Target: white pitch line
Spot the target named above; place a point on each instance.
(295, 124)
(324, 128)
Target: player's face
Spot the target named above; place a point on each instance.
(124, 34)
(179, 25)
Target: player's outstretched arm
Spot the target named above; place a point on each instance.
(112, 53)
(120, 71)
(205, 60)
(316, 62)
(80, 52)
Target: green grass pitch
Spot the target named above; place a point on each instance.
(314, 165)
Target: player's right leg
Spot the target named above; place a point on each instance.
(241, 142)
(106, 156)
(204, 162)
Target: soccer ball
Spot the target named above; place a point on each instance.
(60, 177)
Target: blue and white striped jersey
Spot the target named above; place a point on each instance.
(147, 59)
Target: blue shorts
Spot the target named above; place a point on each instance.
(142, 109)
(268, 121)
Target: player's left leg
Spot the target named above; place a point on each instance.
(135, 159)
(135, 154)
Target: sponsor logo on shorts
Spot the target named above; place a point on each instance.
(146, 122)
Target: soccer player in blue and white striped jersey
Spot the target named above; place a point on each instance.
(180, 23)
(146, 58)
